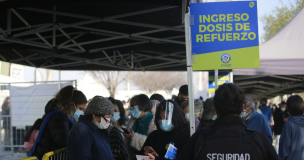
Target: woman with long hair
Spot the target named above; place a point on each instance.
(56, 130)
(140, 125)
(118, 146)
(172, 128)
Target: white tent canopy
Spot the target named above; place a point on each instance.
(283, 54)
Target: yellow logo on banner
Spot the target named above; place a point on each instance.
(251, 4)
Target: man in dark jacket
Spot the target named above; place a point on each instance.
(229, 130)
(228, 138)
(55, 133)
(208, 114)
(280, 116)
(182, 95)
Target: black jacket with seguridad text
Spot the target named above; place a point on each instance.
(228, 143)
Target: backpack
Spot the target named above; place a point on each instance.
(110, 128)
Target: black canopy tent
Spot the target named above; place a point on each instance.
(269, 86)
(94, 34)
(97, 35)
(109, 35)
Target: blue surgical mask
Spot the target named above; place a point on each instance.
(165, 126)
(77, 113)
(115, 117)
(135, 112)
(244, 114)
(214, 117)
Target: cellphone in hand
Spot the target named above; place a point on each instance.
(125, 131)
(150, 150)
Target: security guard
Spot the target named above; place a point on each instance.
(228, 138)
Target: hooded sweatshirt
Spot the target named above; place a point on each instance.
(266, 110)
(291, 145)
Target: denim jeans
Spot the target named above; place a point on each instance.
(277, 137)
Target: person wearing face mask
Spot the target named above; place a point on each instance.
(140, 124)
(255, 120)
(118, 146)
(198, 110)
(171, 129)
(266, 110)
(89, 137)
(280, 116)
(79, 102)
(58, 121)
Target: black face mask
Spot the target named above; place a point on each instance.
(181, 101)
(264, 105)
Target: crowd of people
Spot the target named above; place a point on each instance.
(229, 126)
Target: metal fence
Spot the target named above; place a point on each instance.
(21, 105)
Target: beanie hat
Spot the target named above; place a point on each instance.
(100, 105)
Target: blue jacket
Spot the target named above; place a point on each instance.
(291, 145)
(86, 142)
(258, 121)
(266, 110)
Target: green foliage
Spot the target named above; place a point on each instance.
(279, 17)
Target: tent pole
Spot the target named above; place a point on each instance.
(215, 79)
(59, 82)
(54, 31)
(189, 72)
(231, 77)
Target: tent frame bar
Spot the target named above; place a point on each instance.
(136, 59)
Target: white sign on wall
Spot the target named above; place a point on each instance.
(17, 71)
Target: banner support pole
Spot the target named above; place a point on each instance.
(231, 77)
(59, 82)
(189, 72)
(215, 79)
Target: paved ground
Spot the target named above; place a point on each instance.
(16, 156)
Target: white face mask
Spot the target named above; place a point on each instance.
(187, 117)
(283, 109)
(103, 124)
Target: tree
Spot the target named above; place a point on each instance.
(153, 81)
(279, 17)
(110, 79)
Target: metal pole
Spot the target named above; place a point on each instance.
(189, 72)
(114, 58)
(200, 81)
(132, 60)
(11, 120)
(215, 79)
(54, 31)
(231, 77)
(35, 76)
(59, 82)
(76, 84)
(9, 22)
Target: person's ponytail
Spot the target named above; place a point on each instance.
(64, 97)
